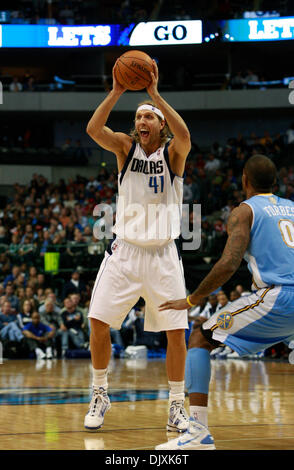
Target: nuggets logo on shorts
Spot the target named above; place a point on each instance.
(224, 320)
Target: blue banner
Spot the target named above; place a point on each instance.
(257, 29)
(64, 36)
(147, 34)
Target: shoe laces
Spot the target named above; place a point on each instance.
(179, 410)
(99, 401)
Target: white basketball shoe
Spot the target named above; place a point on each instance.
(178, 419)
(197, 437)
(99, 404)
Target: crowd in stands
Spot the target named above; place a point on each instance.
(111, 11)
(41, 314)
(184, 78)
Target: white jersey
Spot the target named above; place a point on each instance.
(150, 195)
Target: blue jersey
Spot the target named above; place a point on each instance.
(270, 254)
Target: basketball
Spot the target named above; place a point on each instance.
(133, 70)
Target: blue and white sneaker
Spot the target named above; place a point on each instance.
(197, 437)
(99, 404)
(178, 418)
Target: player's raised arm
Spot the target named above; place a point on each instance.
(116, 142)
(181, 143)
(238, 228)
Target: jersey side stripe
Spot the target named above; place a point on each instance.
(166, 157)
(127, 162)
(248, 307)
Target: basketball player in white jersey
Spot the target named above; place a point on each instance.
(142, 260)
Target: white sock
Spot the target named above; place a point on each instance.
(176, 391)
(100, 378)
(199, 413)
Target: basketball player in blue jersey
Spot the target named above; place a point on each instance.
(142, 261)
(261, 229)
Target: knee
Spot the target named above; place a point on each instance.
(99, 329)
(176, 338)
(197, 340)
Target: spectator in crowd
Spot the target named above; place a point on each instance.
(30, 84)
(51, 297)
(15, 85)
(76, 300)
(212, 164)
(234, 295)
(290, 134)
(40, 283)
(77, 248)
(71, 327)
(11, 297)
(250, 77)
(40, 296)
(75, 285)
(50, 316)
(12, 250)
(238, 81)
(39, 337)
(26, 250)
(20, 293)
(222, 300)
(13, 275)
(33, 276)
(241, 290)
(26, 311)
(29, 295)
(3, 236)
(10, 325)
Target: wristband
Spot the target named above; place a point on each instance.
(189, 301)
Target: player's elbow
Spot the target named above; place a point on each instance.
(187, 140)
(90, 129)
(93, 132)
(230, 265)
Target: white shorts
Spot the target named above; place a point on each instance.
(131, 272)
(255, 322)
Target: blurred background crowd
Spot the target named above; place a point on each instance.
(116, 11)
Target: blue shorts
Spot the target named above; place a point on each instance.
(255, 322)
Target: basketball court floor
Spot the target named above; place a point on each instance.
(42, 405)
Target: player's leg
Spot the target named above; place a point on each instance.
(197, 378)
(167, 282)
(197, 374)
(108, 308)
(100, 345)
(175, 367)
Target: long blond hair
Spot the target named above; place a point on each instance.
(165, 133)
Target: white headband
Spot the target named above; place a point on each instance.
(151, 108)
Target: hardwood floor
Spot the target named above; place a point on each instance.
(42, 405)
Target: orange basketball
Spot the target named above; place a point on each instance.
(133, 70)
